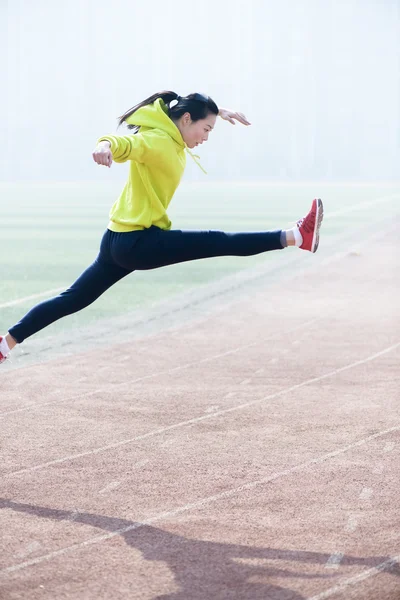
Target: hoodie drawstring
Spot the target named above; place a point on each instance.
(195, 157)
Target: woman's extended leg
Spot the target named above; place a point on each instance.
(154, 247)
(87, 288)
(180, 246)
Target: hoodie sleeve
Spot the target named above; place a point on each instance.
(129, 147)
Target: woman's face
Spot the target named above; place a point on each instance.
(195, 132)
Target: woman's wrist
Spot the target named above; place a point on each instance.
(104, 142)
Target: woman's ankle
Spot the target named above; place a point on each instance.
(290, 241)
(293, 237)
(11, 342)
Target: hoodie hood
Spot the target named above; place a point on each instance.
(155, 116)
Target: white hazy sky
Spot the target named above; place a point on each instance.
(318, 79)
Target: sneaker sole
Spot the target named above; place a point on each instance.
(318, 220)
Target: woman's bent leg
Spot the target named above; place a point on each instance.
(87, 288)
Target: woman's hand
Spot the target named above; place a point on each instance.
(230, 115)
(102, 154)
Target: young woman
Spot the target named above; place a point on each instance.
(139, 234)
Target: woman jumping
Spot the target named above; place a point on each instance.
(139, 234)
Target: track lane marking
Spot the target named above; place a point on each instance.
(334, 560)
(199, 419)
(366, 493)
(32, 297)
(352, 523)
(198, 504)
(113, 387)
(340, 587)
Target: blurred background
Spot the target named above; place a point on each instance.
(318, 79)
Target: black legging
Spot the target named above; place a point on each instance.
(122, 253)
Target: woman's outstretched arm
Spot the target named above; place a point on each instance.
(122, 148)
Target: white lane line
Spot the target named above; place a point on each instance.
(351, 524)
(389, 446)
(334, 560)
(366, 494)
(230, 395)
(32, 297)
(204, 417)
(385, 566)
(245, 382)
(198, 504)
(212, 409)
(111, 486)
(113, 387)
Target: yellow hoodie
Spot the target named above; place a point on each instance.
(157, 160)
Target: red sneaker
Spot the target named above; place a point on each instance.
(2, 357)
(309, 226)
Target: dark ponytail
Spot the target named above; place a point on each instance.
(198, 105)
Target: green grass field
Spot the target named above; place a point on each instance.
(51, 232)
